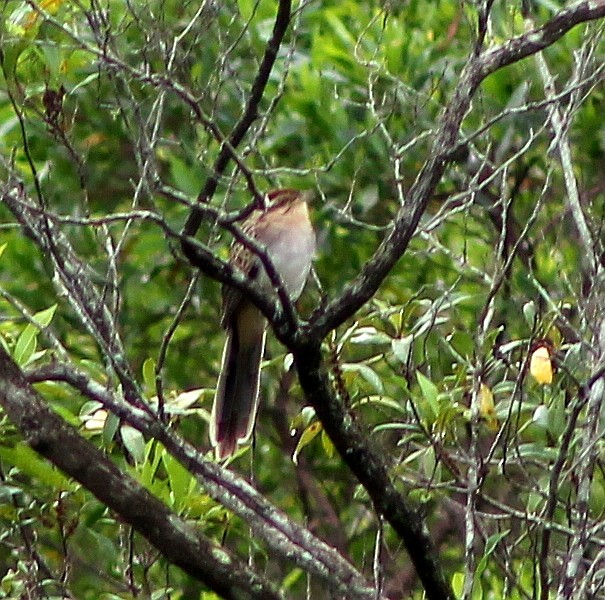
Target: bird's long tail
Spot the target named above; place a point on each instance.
(236, 400)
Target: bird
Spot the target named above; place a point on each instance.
(284, 230)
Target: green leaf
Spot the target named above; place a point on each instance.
(458, 584)
(180, 479)
(32, 464)
(537, 451)
(402, 347)
(162, 593)
(93, 512)
(153, 456)
(184, 401)
(88, 79)
(557, 418)
(187, 178)
(293, 577)
(429, 392)
(529, 313)
(149, 374)
(386, 401)
(367, 373)
(597, 498)
(26, 345)
(44, 317)
(327, 444)
(112, 422)
(134, 442)
(490, 546)
(369, 335)
(302, 419)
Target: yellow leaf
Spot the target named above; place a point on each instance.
(94, 139)
(306, 438)
(540, 365)
(51, 6)
(487, 408)
(31, 20)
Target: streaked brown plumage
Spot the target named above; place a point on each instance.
(284, 230)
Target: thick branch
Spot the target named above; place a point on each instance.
(538, 39)
(280, 533)
(367, 465)
(393, 246)
(181, 544)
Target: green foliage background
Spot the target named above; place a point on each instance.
(348, 112)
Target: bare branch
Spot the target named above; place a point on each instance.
(285, 537)
(478, 67)
(73, 275)
(181, 544)
(250, 114)
(369, 467)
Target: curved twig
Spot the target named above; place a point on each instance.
(478, 67)
(250, 114)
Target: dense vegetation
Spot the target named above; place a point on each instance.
(444, 368)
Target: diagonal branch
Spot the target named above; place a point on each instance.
(181, 544)
(76, 278)
(351, 442)
(280, 533)
(250, 114)
(478, 67)
(370, 469)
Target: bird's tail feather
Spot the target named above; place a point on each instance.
(236, 400)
